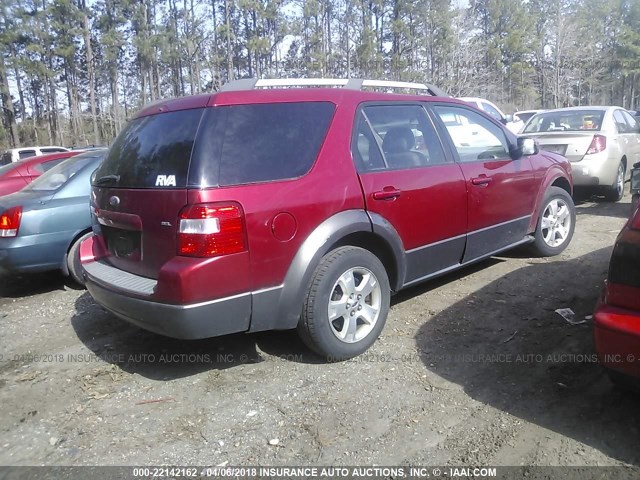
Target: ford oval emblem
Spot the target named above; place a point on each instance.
(114, 201)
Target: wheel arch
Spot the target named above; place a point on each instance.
(76, 237)
(555, 178)
(280, 308)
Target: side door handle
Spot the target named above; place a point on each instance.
(482, 180)
(387, 193)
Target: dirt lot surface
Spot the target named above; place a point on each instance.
(474, 368)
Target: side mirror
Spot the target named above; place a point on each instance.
(526, 146)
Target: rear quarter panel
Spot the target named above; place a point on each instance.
(300, 205)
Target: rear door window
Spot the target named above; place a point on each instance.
(621, 124)
(259, 142)
(153, 151)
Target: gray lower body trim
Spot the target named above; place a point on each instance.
(190, 322)
(527, 239)
(266, 310)
(434, 258)
(483, 242)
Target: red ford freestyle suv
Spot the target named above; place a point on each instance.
(274, 208)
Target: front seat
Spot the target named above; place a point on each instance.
(397, 145)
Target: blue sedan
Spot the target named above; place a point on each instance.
(42, 225)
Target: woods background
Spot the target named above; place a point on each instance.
(72, 71)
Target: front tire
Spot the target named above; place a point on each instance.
(556, 224)
(347, 303)
(616, 191)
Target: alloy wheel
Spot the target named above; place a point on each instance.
(354, 304)
(556, 222)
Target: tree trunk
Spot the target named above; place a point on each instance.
(227, 15)
(92, 80)
(7, 104)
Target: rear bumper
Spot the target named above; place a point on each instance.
(595, 170)
(192, 321)
(35, 253)
(617, 338)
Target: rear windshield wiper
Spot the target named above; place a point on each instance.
(107, 179)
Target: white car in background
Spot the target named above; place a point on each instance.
(15, 154)
(525, 115)
(512, 122)
(602, 144)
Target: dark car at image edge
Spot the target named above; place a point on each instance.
(617, 314)
(276, 208)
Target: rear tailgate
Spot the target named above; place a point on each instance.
(141, 187)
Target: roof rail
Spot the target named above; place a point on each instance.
(351, 84)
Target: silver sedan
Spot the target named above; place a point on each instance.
(602, 143)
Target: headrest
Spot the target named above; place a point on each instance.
(398, 140)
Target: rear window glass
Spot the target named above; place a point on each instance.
(567, 120)
(153, 151)
(60, 174)
(6, 158)
(260, 142)
(46, 166)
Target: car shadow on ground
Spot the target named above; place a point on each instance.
(154, 356)
(16, 286)
(595, 205)
(157, 357)
(519, 356)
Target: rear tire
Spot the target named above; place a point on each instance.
(347, 303)
(615, 192)
(73, 261)
(556, 223)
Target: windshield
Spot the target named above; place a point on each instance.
(59, 175)
(565, 121)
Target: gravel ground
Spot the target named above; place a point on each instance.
(473, 368)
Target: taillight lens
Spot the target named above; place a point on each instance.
(10, 222)
(598, 144)
(210, 230)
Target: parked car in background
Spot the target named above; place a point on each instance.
(16, 175)
(42, 225)
(602, 143)
(525, 115)
(513, 123)
(16, 154)
(617, 315)
(252, 209)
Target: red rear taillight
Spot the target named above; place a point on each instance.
(210, 230)
(10, 222)
(598, 144)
